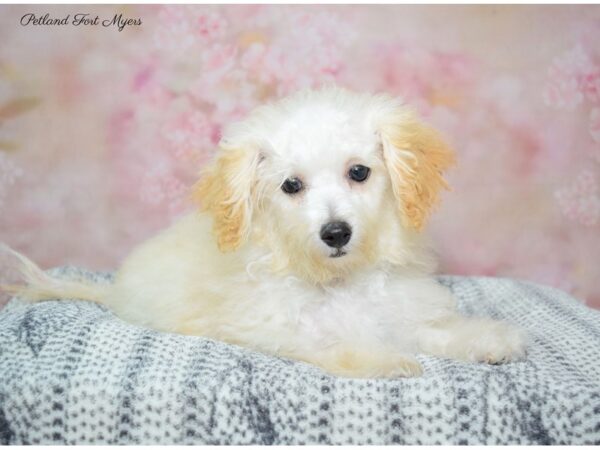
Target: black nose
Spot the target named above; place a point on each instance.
(336, 234)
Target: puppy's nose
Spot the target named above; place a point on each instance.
(336, 234)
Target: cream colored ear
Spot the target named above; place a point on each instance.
(416, 157)
(226, 190)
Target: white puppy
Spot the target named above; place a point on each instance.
(309, 245)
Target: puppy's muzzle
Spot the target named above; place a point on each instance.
(336, 234)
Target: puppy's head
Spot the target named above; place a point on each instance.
(328, 181)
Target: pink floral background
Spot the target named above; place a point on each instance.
(102, 132)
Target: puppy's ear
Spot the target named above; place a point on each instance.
(226, 190)
(416, 157)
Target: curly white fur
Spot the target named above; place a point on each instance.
(251, 268)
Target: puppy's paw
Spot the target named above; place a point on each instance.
(363, 364)
(498, 343)
(473, 339)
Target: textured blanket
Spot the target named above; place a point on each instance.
(73, 373)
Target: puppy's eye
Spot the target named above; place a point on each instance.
(359, 173)
(292, 185)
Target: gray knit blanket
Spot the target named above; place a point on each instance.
(73, 373)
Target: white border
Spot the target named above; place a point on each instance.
(304, 2)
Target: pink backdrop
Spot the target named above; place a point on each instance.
(101, 131)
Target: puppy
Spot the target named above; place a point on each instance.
(308, 245)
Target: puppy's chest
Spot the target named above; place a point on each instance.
(340, 312)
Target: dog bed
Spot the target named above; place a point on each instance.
(73, 373)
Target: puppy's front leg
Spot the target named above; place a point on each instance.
(358, 362)
(472, 339)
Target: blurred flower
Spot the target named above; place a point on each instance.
(187, 134)
(562, 91)
(175, 35)
(580, 201)
(159, 185)
(569, 77)
(420, 73)
(211, 26)
(591, 86)
(218, 59)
